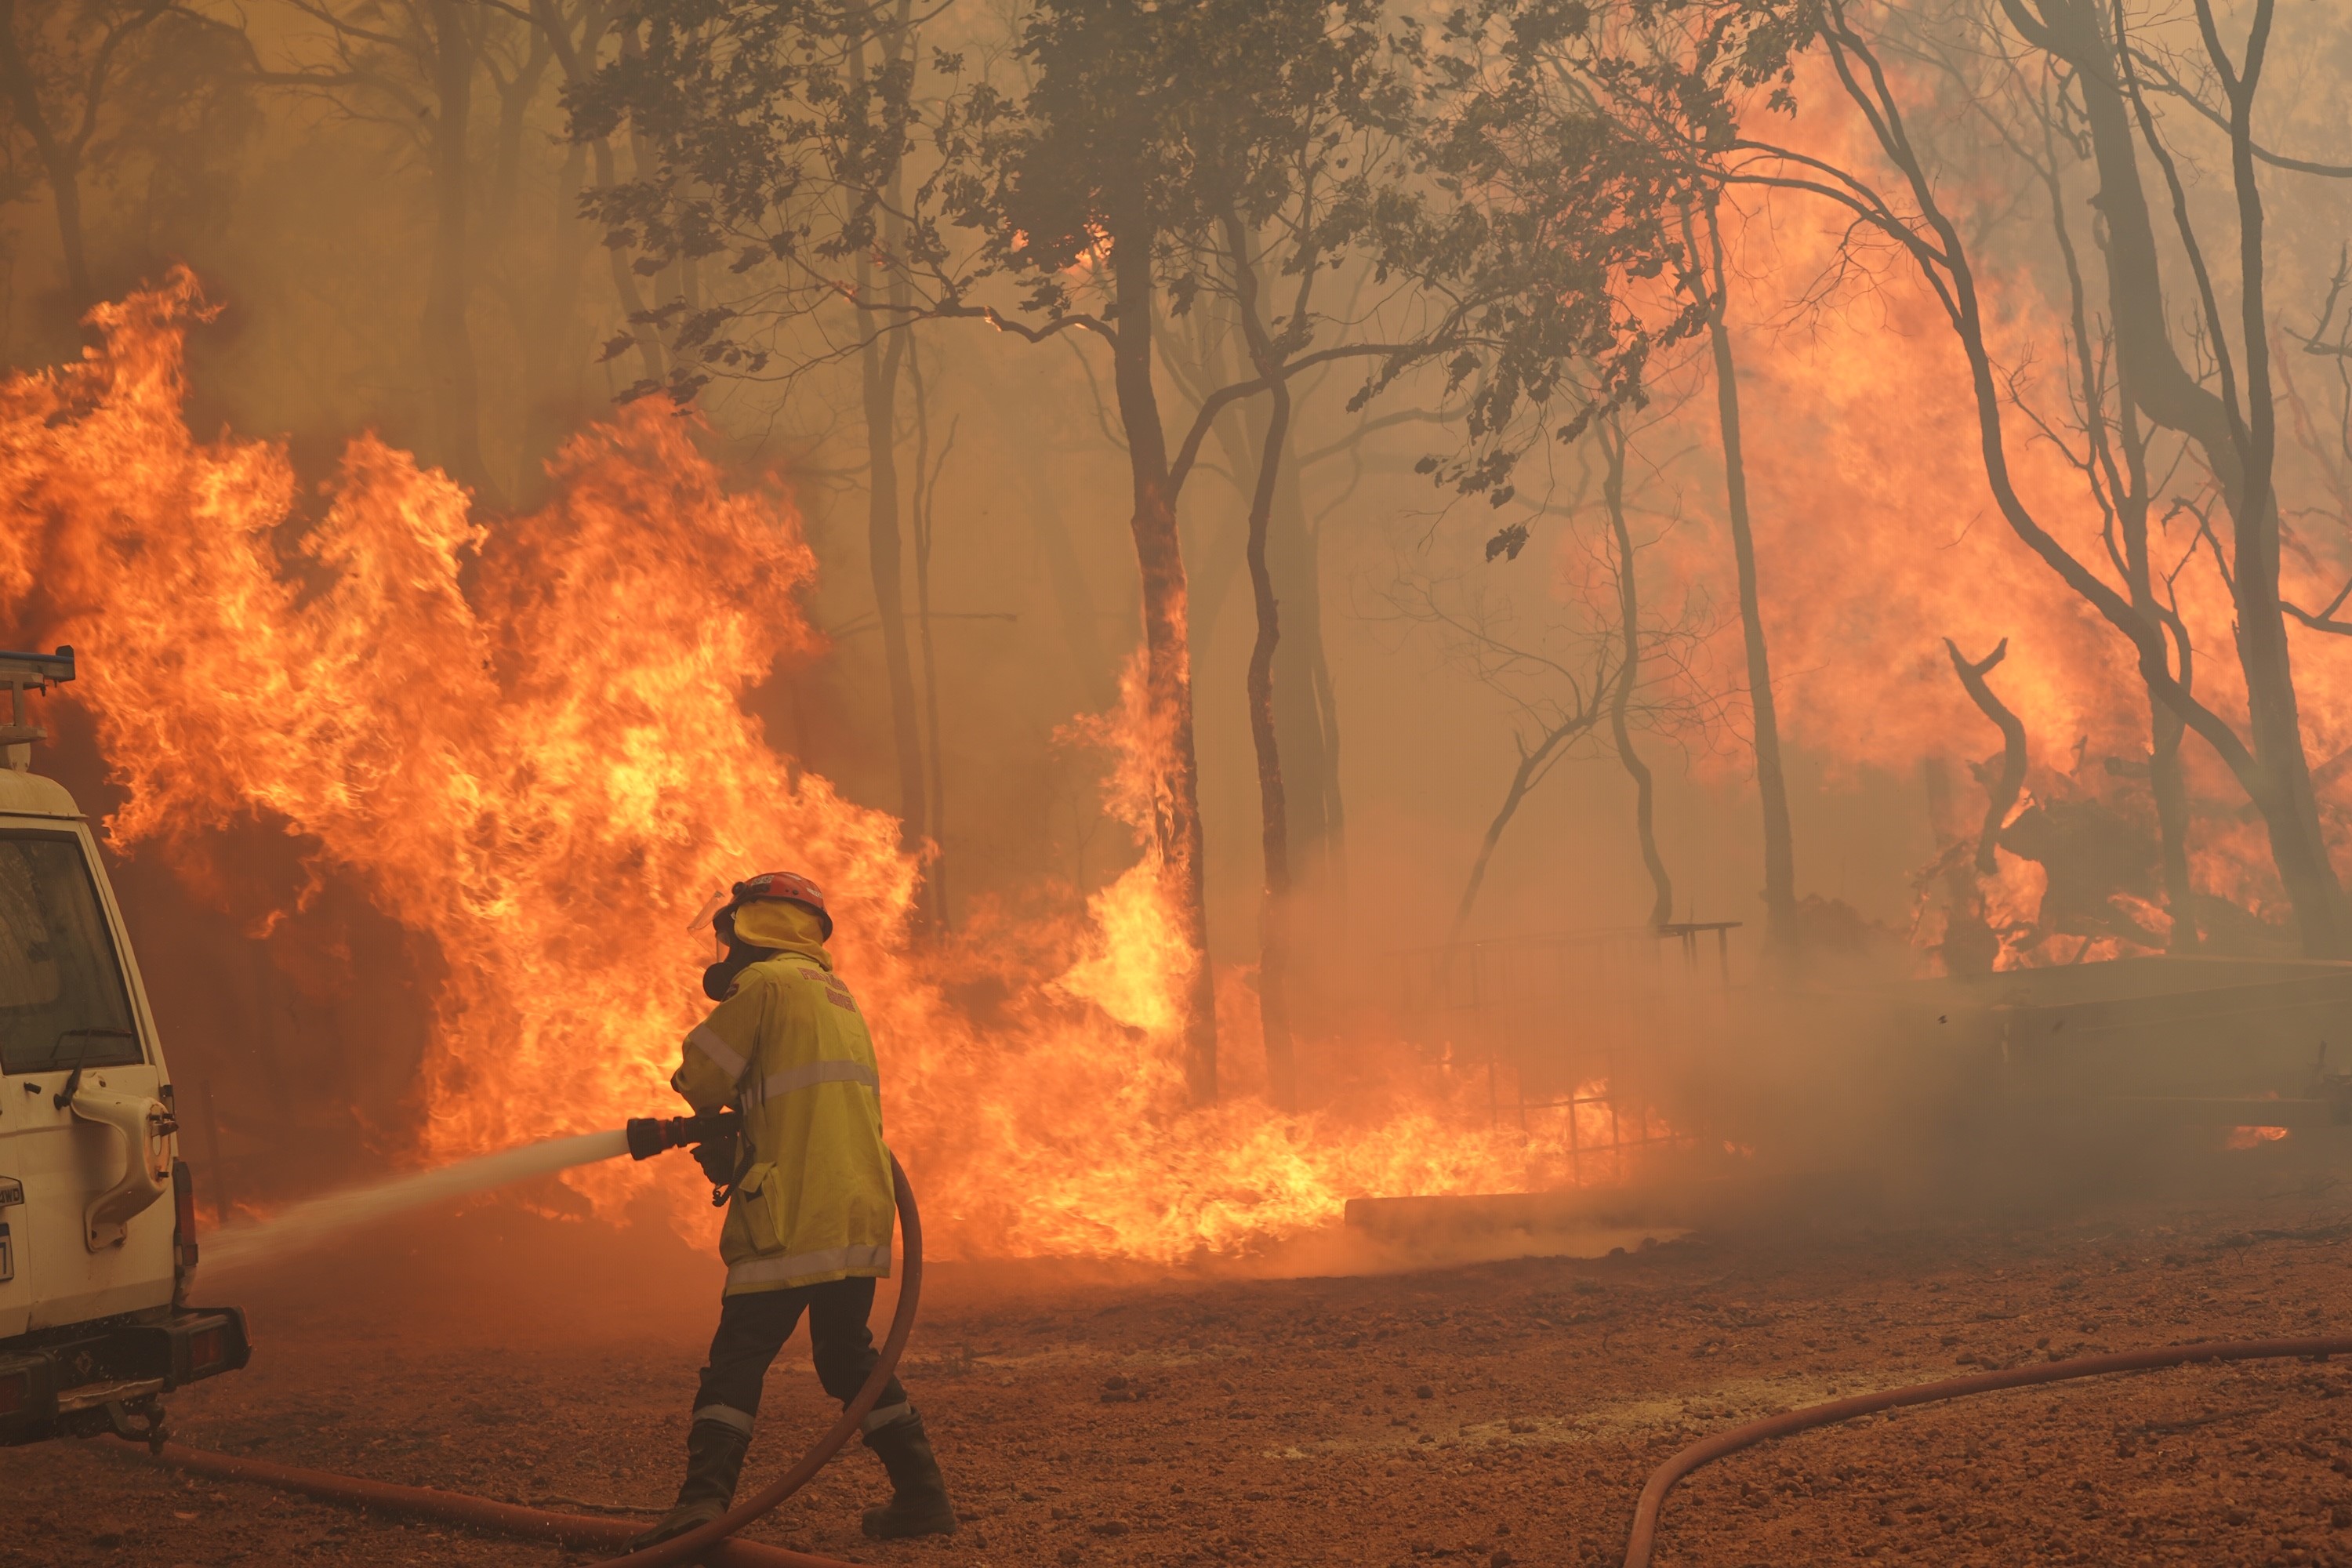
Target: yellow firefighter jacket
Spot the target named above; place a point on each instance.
(789, 1048)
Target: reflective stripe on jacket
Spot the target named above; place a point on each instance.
(789, 1048)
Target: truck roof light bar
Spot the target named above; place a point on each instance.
(20, 673)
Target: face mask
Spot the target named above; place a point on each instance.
(719, 978)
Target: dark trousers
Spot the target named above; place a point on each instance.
(752, 1328)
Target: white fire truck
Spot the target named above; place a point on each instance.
(98, 1238)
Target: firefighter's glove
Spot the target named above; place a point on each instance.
(717, 1155)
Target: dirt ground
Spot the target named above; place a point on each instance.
(1492, 1414)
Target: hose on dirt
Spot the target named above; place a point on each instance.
(1663, 1478)
(711, 1543)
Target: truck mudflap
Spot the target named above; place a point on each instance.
(81, 1380)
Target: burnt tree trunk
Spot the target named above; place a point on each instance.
(1306, 721)
(57, 148)
(642, 164)
(1334, 869)
(1168, 660)
(58, 142)
(2005, 788)
(2169, 784)
(880, 359)
(1942, 255)
(1534, 762)
(553, 349)
(626, 293)
(1970, 945)
(452, 383)
(1305, 716)
(878, 367)
(2117, 466)
(1771, 785)
(543, 306)
(60, 163)
(1629, 614)
(923, 515)
(1273, 903)
(2238, 445)
(576, 67)
(2168, 780)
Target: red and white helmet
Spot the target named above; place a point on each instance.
(790, 887)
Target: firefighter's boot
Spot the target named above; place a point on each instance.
(714, 1463)
(918, 1500)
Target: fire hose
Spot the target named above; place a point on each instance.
(1662, 1479)
(711, 1543)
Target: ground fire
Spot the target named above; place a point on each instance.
(1540, 783)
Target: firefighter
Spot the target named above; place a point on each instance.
(808, 1225)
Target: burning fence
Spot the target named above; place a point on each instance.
(527, 745)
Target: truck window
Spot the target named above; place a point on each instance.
(62, 1000)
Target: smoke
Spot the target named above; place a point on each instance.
(336, 1012)
(524, 746)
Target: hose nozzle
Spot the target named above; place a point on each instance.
(651, 1135)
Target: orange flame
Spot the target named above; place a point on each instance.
(528, 744)
(1135, 963)
(1877, 538)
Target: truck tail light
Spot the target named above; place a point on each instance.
(16, 1392)
(207, 1349)
(184, 1232)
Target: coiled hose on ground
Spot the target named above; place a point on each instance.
(1663, 1478)
(711, 1543)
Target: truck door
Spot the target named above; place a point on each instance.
(68, 1028)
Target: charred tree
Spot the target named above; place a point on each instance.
(2005, 786)
(1570, 668)
(1558, 673)
(2115, 463)
(59, 132)
(1307, 707)
(2271, 767)
(1673, 97)
(2235, 428)
(85, 89)
(1629, 617)
(2168, 783)
(1171, 137)
(577, 57)
(1167, 648)
(452, 380)
(548, 325)
(1705, 282)
(1535, 759)
(880, 359)
(642, 315)
(548, 309)
(1273, 903)
(924, 518)
(1105, 174)
(1194, 354)
(423, 64)
(1970, 946)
